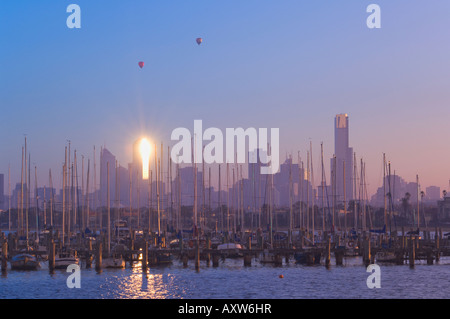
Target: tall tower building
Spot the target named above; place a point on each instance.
(342, 167)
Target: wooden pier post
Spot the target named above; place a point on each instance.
(185, 258)
(278, 260)
(51, 257)
(215, 259)
(412, 253)
(429, 257)
(403, 237)
(4, 256)
(339, 255)
(437, 247)
(87, 256)
(145, 256)
(247, 260)
(310, 258)
(98, 257)
(328, 257)
(208, 247)
(399, 257)
(197, 255)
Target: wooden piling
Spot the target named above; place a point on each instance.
(339, 256)
(328, 257)
(51, 257)
(197, 255)
(185, 258)
(98, 257)
(403, 237)
(145, 256)
(399, 257)
(429, 257)
(215, 260)
(366, 252)
(278, 260)
(247, 260)
(4, 256)
(412, 252)
(208, 247)
(310, 258)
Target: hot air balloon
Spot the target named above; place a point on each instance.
(199, 41)
(141, 64)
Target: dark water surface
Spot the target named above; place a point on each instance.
(231, 280)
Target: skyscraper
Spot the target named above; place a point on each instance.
(105, 158)
(342, 167)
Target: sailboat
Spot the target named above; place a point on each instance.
(231, 250)
(115, 261)
(385, 256)
(24, 261)
(64, 259)
(266, 257)
(379, 231)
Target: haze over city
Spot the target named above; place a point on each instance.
(288, 65)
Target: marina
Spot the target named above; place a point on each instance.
(230, 278)
(224, 150)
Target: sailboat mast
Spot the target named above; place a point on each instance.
(157, 192)
(418, 206)
(384, 188)
(355, 222)
(307, 192)
(345, 200)
(313, 202)
(228, 199)
(323, 188)
(333, 187)
(36, 197)
(83, 199)
(390, 198)
(52, 198)
(195, 185)
(9, 197)
(20, 222)
(63, 204)
(130, 194)
(220, 204)
(45, 208)
(87, 196)
(95, 188)
(108, 208)
(290, 202)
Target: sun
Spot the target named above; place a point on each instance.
(145, 149)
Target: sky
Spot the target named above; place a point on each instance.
(287, 64)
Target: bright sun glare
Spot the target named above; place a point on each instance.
(145, 150)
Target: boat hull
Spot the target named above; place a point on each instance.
(24, 262)
(66, 262)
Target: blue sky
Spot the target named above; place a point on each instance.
(286, 64)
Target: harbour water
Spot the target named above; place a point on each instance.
(232, 280)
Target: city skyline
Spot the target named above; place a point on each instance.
(395, 94)
(286, 181)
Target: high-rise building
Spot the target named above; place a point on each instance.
(105, 158)
(342, 166)
(433, 193)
